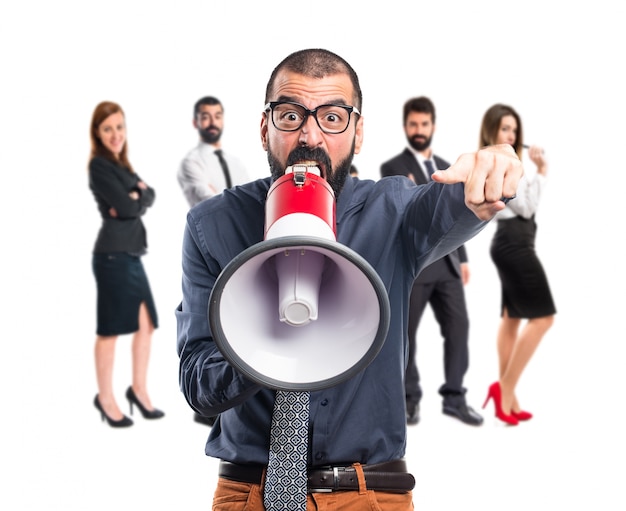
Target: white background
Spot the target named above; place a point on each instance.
(560, 64)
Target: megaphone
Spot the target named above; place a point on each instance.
(299, 311)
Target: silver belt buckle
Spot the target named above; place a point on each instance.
(335, 483)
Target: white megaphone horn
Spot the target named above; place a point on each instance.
(299, 311)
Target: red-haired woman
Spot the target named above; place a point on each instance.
(124, 304)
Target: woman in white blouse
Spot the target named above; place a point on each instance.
(526, 293)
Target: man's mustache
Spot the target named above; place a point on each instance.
(306, 153)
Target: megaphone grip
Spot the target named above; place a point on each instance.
(299, 273)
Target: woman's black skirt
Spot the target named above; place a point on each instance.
(122, 285)
(525, 289)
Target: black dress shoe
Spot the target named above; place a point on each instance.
(412, 414)
(463, 412)
(201, 419)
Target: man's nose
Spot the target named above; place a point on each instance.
(310, 132)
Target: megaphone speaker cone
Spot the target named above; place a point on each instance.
(299, 323)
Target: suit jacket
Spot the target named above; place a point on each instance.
(111, 185)
(405, 164)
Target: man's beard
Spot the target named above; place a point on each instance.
(419, 144)
(210, 137)
(336, 178)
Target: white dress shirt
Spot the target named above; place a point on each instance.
(200, 174)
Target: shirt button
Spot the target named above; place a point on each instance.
(319, 456)
(324, 402)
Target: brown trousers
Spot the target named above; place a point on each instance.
(236, 496)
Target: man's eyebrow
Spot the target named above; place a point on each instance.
(287, 98)
(338, 101)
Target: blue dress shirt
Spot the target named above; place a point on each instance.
(399, 228)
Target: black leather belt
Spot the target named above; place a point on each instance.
(390, 476)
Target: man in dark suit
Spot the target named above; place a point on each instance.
(441, 283)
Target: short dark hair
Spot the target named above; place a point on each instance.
(316, 63)
(420, 104)
(206, 100)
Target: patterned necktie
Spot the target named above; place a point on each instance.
(224, 165)
(286, 478)
(430, 168)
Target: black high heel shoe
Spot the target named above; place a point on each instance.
(122, 423)
(147, 414)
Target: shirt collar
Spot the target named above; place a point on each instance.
(420, 158)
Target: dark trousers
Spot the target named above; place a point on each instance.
(447, 300)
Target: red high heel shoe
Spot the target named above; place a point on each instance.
(522, 415)
(495, 393)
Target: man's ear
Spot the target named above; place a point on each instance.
(264, 119)
(358, 135)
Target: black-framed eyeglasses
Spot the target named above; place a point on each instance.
(332, 119)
